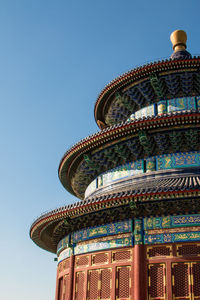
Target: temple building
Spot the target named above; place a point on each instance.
(135, 232)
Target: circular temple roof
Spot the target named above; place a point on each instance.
(140, 86)
(151, 193)
(143, 86)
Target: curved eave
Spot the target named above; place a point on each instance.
(73, 156)
(131, 77)
(42, 236)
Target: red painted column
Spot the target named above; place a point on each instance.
(71, 278)
(57, 283)
(169, 279)
(139, 279)
(139, 274)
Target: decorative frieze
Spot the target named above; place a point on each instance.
(166, 106)
(100, 231)
(149, 231)
(64, 243)
(65, 254)
(150, 164)
(110, 244)
(178, 160)
(171, 221)
(172, 237)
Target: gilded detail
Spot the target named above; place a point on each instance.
(108, 229)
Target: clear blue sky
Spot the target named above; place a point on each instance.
(55, 57)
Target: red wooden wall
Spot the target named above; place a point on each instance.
(160, 272)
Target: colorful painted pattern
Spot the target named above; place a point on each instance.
(127, 241)
(171, 221)
(180, 222)
(114, 243)
(178, 160)
(167, 106)
(168, 229)
(198, 102)
(162, 107)
(187, 220)
(121, 172)
(64, 243)
(179, 104)
(172, 237)
(145, 112)
(100, 231)
(154, 163)
(138, 231)
(130, 169)
(148, 111)
(65, 254)
(150, 164)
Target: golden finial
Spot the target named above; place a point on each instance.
(178, 39)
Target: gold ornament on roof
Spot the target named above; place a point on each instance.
(178, 39)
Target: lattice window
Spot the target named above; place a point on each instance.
(121, 255)
(60, 288)
(105, 277)
(66, 263)
(100, 258)
(93, 284)
(156, 282)
(196, 279)
(99, 284)
(159, 251)
(123, 282)
(80, 286)
(181, 280)
(186, 280)
(60, 267)
(65, 285)
(82, 261)
(188, 250)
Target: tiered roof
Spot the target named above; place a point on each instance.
(122, 139)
